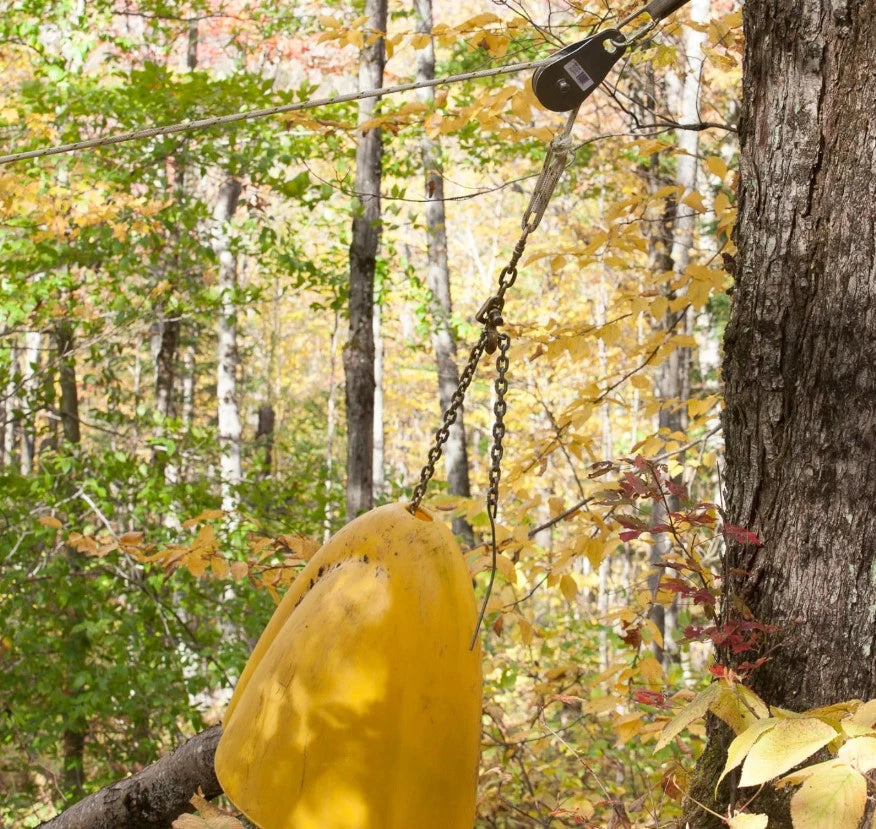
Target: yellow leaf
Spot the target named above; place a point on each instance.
(651, 670)
(696, 408)
(205, 540)
(219, 566)
(627, 726)
(695, 201)
(420, 41)
(131, 539)
(50, 521)
(478, 22)
(860, 753)
(299, 545)
(742, 744)
(739, 707)
(205, 515)
(239, 569)
(748, 822)
(866, 714)
(521, 103)
(693, 711)
(328, 22)
(716, 166)
(783, 747)
(834, 796)
(569, 587)
(506, 567)
(527, 632)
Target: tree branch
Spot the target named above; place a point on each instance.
(154, 797)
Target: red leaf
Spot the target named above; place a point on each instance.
(651, 698)
(741, 535)
(629, 535)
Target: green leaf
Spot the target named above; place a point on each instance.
(783, 747)
(833, 796)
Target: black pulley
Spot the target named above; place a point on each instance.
(575, 72)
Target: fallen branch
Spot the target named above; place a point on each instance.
(152, 798)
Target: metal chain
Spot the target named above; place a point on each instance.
(491, 339)
(443, 432)
(500, 409)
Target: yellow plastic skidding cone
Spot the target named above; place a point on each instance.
(360, 707)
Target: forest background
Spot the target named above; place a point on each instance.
(173, 321)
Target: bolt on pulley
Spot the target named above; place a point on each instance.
(570, 78)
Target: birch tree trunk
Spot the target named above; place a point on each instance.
(226, 369)
(438, 278)
(359, 350)
(378, 477)
(10, 400)
(799, 373)
(32, 346)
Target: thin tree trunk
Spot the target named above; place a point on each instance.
(331, 418)
(438, 279)
(32, 345)
(607, 448)
(226, 369)
(8, 420)
(67, 381)
(165, 344)
(359, 350)
(379, 478)
(265, 438)
(75, 726)
(673, 375)
(798, 367)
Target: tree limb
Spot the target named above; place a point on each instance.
(152, 798)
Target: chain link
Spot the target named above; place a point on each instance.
(443, 432)
(500, 409)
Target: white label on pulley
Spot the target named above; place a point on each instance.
(578, 74)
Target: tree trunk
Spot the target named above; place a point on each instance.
(265, 439)
(359, 350)
(75, 725)
(29, 384)
(165, 344)
(673, 374)
(378, 476)
(67, 382)
(226, 369)
(438, 278)
(800, 383)
(152, 798)
(9, 401)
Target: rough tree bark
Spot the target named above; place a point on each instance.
(359, 350)
(799, 371)
(152, 798)
(226, 368)
(438, 278)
